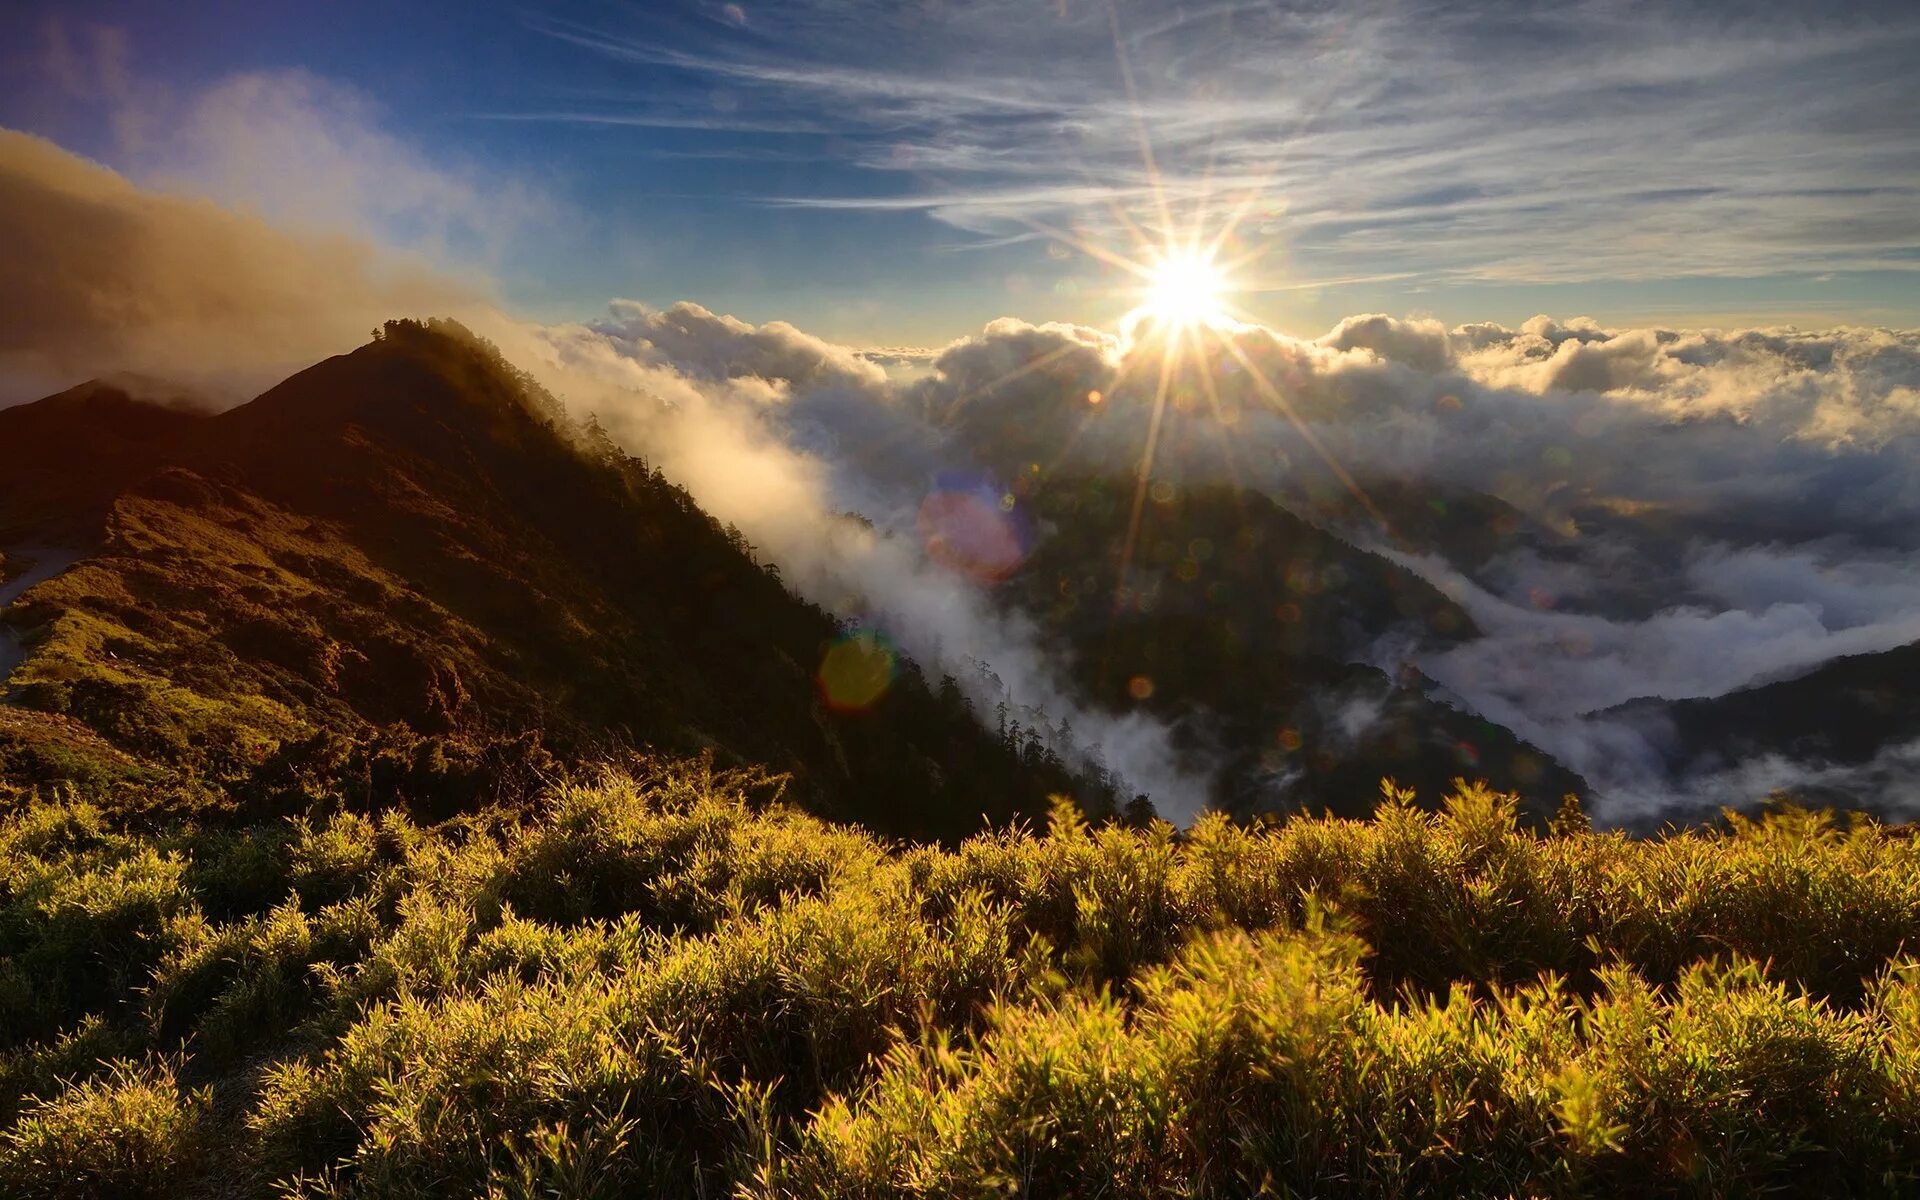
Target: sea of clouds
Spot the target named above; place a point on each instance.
(1758, 489)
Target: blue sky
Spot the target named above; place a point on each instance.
(901, 173)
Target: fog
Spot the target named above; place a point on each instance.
(1709, 509)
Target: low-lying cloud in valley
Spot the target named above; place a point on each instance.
(1724, 509)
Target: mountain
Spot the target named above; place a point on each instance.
(405, 562)
(63, 458)
(1250, 629)
(1843, 713)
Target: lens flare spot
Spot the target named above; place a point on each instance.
(974, 529)
(1526, 768)
(857, 670)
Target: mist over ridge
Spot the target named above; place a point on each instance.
(1703, 511)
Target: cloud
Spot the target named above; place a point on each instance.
(1014, 372)
(1887, 784)
(784, 435)
(1423, 344)
(1527, 144)
(87, 63)
(309, 154)
(1550, 675)
(103, 276)
(702, 344)
(1693, 511)
(243, 229)
(302, 151)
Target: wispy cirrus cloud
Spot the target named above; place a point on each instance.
(1524, 142)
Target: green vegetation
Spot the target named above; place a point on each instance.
(414, 538)
(666, 980)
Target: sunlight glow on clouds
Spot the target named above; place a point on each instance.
(1794, 546)
(106, 276)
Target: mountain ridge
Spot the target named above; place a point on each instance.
(412, 534)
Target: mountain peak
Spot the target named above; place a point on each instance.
(69, 452)
(409, 534)
(119, 408)
(435, 373)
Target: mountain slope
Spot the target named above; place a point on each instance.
(1250, 628)
(412, 535)
(1844, 712)
(63, 458)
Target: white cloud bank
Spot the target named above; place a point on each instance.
(1706, 510)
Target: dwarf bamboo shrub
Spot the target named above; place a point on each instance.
(131, 1131)
(669, 983)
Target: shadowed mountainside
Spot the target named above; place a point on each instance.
(1247, 628)
(413, 537)
(1843, 713)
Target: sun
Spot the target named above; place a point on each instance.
(1185, 289)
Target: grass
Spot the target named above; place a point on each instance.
(131, 1131)
(665, 981)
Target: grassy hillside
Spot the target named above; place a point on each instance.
(412, 542)
(666, 981)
